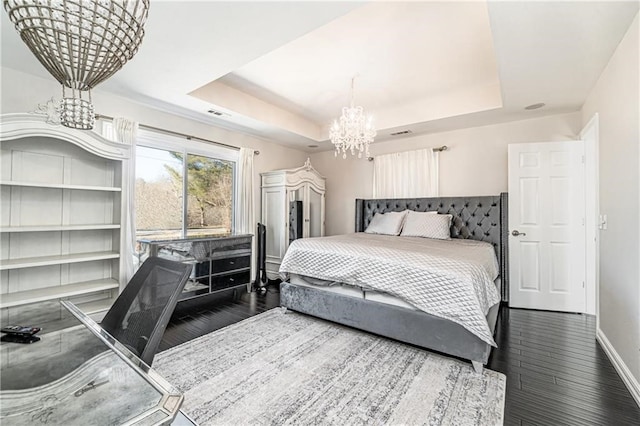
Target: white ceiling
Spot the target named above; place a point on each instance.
(282, 70)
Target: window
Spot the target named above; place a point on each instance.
(159, 192)
(209, 195)
(183, 190)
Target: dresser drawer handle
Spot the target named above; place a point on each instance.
(231, 262)
(231, 279)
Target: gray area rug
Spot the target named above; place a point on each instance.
(289, 368)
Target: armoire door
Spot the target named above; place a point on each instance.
(314, 217)
(273, 213)
(298, 194)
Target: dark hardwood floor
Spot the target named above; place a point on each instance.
(557, 374)
(197, 317)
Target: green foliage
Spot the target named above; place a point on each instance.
(210, 184)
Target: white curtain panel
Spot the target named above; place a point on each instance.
(126, 132)
(407, 174)
(245, 221)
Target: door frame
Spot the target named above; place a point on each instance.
(592, 212)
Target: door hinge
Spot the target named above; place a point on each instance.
(582, 284)
(583, 159)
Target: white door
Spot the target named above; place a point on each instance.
(546, 225)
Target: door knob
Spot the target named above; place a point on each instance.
(517, 233)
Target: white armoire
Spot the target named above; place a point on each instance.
(61, 220)
(280, 189)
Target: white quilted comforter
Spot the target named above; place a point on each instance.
(452, 279)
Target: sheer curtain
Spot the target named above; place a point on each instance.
(244, 221)
(406, 174)
(126, 132)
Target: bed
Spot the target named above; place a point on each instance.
(402, 289)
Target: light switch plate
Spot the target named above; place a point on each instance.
(602, 223)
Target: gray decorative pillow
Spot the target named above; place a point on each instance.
(427, 225)
(387, 223)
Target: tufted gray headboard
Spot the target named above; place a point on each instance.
(481, 218)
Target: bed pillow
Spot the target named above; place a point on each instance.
(386, 223)
(427, 225)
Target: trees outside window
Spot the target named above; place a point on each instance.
(179, 193)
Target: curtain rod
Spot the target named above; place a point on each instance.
(171, 132)
(438, 149)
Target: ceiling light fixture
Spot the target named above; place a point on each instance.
(81, 43)
(354, 132)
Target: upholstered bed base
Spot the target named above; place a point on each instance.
(407, 325)
(479, 218)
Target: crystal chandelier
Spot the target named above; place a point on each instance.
(354, 132)
(81, 43)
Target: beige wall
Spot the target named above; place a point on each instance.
(615, 98)
(474, 164)
(22, 92)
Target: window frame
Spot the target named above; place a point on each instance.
(158, 140)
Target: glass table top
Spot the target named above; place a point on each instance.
(81, 375)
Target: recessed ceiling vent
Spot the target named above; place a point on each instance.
(214, 112)
(402, 132)
(534, 106)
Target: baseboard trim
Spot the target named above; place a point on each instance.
(630, 382)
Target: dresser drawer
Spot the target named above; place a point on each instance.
(220, 246)
(230, 264)
(231, 280)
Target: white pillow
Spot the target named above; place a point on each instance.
(427, 225)
(387, 223)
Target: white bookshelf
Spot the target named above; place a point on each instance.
(61, 186)
(33, 262)
(27, 297)
(52, 228)
(60, 219)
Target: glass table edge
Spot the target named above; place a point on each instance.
(166, 390)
